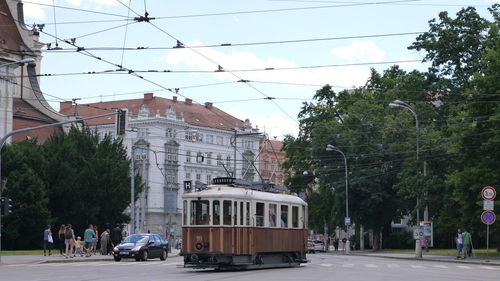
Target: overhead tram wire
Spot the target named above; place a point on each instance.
(396, 4)
(224, 45)
(220, 68)
(125, 36)
(70, 8)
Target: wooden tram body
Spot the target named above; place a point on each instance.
(227, 226)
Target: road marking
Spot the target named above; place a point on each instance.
(440, 266)
(417, 266)
(172, 263)
(370, 265)
(464, 267)
(348, 265)
(326, 264)
(488, 267)
(393, 265)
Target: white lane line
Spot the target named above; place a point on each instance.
(440, 266)
(370, 265)
(417, 266)
(172, 263)
(488, 267)
(393, 265)
(464, 267)
(348, 265)
(326, 264)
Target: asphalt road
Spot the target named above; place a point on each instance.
(321, 267)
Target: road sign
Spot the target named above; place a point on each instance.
(418, 233)
(488, 193)
(347, 221)
(488, 205)
(488, 217)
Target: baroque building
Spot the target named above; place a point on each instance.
(175, 143)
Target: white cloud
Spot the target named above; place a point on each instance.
(73, 2)
(361, 51)
(280, 125)
(34, 10)
(238, 60)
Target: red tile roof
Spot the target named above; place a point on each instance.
(194, 114)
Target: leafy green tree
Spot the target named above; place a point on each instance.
(23, 165)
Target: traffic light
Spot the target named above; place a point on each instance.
(6, 206)
(121, 122)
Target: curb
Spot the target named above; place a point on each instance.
(428, 259)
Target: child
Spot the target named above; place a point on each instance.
(78, 246)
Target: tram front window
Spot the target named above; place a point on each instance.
(200, 212)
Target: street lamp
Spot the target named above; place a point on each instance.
(19, 62)
(333, 148)
(398, 103)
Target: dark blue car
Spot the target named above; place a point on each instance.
(141, 247)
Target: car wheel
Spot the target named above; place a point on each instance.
(163, 255)
(117, 258)
(145, 255)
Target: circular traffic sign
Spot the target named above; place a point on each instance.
(488, 193)
(488, 217)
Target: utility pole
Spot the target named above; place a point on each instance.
(132, 192)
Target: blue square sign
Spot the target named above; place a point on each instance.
(347, 221)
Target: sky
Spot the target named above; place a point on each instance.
(271, 49)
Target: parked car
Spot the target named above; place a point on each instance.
(314, 246)
(141, 247)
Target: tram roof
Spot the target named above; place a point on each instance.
(234, 192)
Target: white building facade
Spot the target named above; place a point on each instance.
(173, 145)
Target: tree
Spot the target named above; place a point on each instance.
(23, 166)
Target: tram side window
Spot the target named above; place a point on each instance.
(235, 212)
(272, 215)
(304, 214)
(226, 212)
(216, 211)
(199, 212)
(295, 216)
(284, 216)
(241, 213)
(259, 214)
(184, 212)
(247, 213)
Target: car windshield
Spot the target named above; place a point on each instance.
(136, 239)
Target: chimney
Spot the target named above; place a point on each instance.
(174, 98)
(189, 101)
(209, 105)
(65, 105)
(148, 96)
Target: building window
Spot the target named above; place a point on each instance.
(188, 176)
(219, 140)
(209, 179)
(199, 157)
(198, 177)
(170, 133)
(209, 158)
(228, 161)
(219, 160)
(171, 154)
(188, 156)
(210, 139)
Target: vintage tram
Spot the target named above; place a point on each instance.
(231, 225)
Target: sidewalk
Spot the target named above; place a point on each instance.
(56, 258)
(425, 257)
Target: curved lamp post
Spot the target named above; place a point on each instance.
(398, 103)
(333, 148)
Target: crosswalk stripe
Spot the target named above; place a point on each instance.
(440, 266)
(326, 264)
(488, 267)
(348, 265)
(464, 267)
(417, 266)
(393, 265)
(370, 265)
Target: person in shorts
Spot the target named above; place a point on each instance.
(88, 237)
(69, 241)
(79, 246)
(460, 243)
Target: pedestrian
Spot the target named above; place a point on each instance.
(344, 242)
(459, 242)
(88, 237)
(336, 243)
(47, 240)
(116, 235)
(104, 242)
(69, 241)
(467, 239)
(60, 239)
(79, 246)
(95, 239)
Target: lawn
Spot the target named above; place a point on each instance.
(24, 252)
